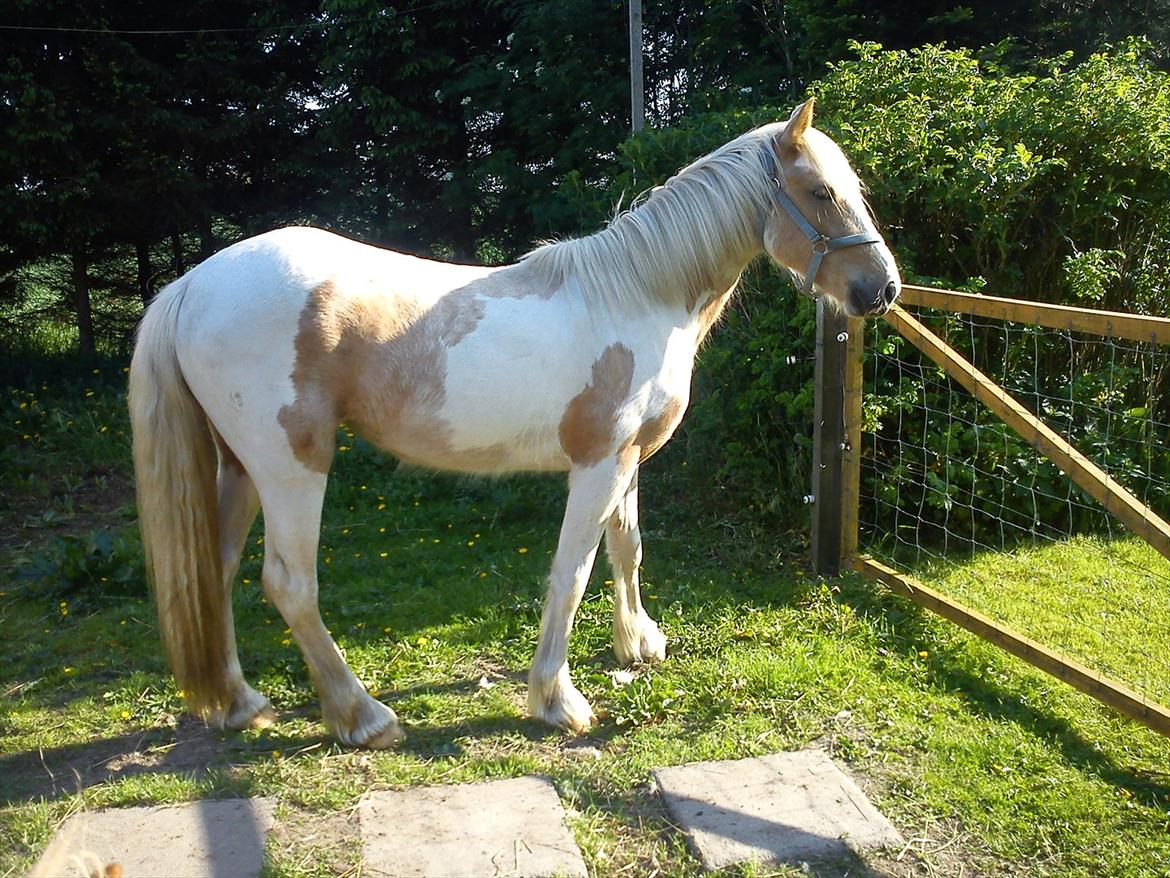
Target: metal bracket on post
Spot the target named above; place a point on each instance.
(829, 439)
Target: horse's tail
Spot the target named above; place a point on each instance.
(175, 469)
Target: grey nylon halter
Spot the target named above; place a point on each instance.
(821, 244)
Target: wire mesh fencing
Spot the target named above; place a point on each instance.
(953, 496)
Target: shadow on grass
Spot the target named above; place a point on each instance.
(189, 749)
(911, 625)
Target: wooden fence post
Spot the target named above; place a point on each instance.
(851, 454)
(829, 440)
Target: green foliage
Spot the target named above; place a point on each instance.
(646, 699)
(88, 567)
(1037, 186)
(1009, 180)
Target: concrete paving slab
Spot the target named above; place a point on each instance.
(787, 807)
(510, 827)
(209, 839)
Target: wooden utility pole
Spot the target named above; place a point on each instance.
(637, 102)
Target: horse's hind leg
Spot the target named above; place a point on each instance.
(238, 503)
(636, 637)
(594, 491)
(292, 525)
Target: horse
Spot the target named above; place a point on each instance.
(576, 359)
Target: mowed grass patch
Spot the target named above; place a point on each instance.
(1103, 602)
(432, 586)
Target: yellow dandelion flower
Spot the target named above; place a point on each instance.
(523, 550)
(383, 554)
(470, 543)
(125, 714)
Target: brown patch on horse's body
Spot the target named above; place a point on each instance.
(655, 431)
(379, 363)
(588, 429)
(710, 312)
(590, 420)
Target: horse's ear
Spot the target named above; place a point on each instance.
(798, 123)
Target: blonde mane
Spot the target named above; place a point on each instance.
(691, 236)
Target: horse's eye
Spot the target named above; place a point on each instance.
(822, 193)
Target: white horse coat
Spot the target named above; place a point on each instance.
(576, 359)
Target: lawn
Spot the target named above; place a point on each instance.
(432, 586)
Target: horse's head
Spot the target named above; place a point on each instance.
(819, 226)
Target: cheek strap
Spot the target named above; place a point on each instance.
(822, 244)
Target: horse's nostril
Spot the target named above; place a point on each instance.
(890, 292)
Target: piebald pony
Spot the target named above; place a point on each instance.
(576, 359)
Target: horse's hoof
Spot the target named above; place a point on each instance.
(565, 708)
(653, 642)
(649, 649)
(371, 725)
(250, 710)
(385, 739)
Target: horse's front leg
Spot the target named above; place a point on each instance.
(594, 492)
(636, 637)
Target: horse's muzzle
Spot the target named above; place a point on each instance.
(866, 299)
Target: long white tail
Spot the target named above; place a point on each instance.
(175, 469)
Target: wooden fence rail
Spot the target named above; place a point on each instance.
(837, 461)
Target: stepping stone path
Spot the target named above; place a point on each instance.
(788, 807)
(207, 839)
(502, 827)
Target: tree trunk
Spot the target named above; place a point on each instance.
(81, 303)
(142, 252)
(206, 237)
(177, 253)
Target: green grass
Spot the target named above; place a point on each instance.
(1103, 602)
(432, 586)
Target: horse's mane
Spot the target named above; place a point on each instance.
(676, 244)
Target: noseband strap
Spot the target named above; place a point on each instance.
(821, 244)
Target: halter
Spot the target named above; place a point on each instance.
(821, 244)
